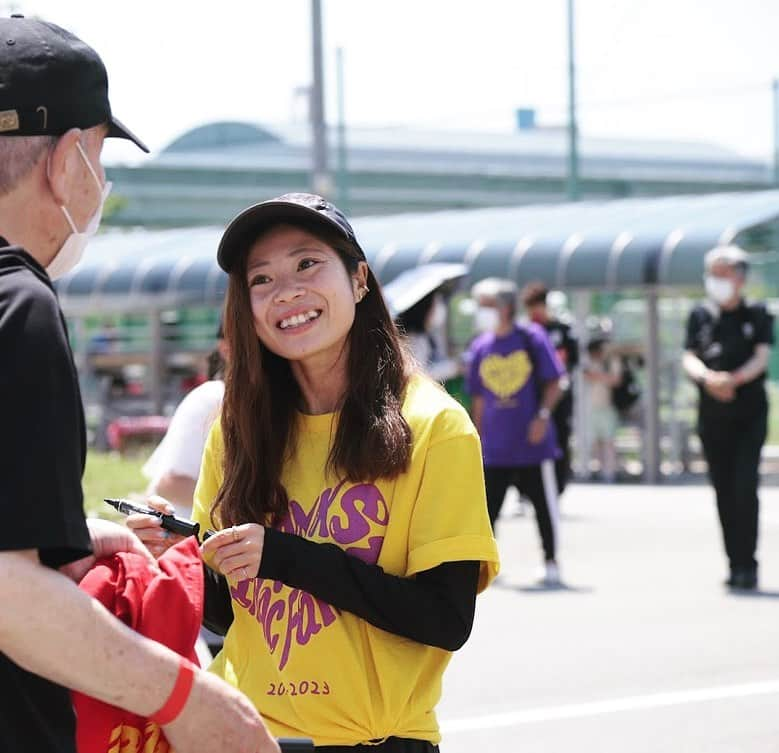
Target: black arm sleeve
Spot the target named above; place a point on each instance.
(434, 607)
(217, 606)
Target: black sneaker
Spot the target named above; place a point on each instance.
(743, 579)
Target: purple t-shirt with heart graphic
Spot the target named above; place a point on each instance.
(509, 372)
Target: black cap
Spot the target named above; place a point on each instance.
(291, 207)
(50, 82)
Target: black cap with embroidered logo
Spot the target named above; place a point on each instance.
(51, 81)
(307, 208)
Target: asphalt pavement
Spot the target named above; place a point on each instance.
(641, 650)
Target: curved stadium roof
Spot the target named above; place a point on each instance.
(534, 152)
(590, 245)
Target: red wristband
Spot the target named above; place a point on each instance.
(178, 696)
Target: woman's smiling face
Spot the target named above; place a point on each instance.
(302, 297)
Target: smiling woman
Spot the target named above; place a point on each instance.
(347, 493)
(287, 259)
(303, 302)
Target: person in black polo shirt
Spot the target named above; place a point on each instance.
(566, 346)
(726, 355)
(54, 116)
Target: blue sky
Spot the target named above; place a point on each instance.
(687, 70)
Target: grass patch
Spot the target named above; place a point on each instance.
(107, 474)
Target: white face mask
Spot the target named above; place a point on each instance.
(437, 316)
(486, 319)
(73, 248)
(719, 289)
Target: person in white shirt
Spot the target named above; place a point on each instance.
(174, 466)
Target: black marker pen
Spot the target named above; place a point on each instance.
(169, 522)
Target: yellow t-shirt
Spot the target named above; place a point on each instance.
(312, 670)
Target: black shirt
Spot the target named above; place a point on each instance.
(567, 348)
(725, 341)
(564, 343)
(42, 453)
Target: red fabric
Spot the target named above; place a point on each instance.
(127, 427)
(167, 607)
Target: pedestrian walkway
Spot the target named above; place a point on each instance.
(642, 649)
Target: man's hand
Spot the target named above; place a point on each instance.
(720, 385)
(537, 430)
(110, 538)
(218, 717)
(236, 552)
(107, 538)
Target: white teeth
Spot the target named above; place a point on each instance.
(298, 319)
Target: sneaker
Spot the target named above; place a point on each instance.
(550, 575)
(746, 580)
(742, 579)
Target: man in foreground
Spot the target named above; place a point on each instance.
(54, 116)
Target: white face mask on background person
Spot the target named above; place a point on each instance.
(719, 289)
(72, 249)
(437, 317)
(486, 319)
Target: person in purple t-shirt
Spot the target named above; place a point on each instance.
(514, 382)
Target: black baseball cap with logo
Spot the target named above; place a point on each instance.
(51, 81)
(306, 208)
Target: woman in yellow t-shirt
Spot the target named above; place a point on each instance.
(347, 491)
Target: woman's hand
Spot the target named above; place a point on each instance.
(236, 552)
(149, 530)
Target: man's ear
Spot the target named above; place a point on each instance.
(64, 166)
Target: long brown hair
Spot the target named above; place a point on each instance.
(259, 413)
